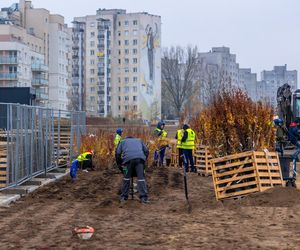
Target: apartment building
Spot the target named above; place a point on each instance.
(224, 64)
(271, 80)
(117, 64)
(49, 40)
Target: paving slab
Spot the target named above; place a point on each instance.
(14, 193)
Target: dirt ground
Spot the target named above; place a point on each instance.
(46, 218)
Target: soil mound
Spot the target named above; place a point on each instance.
(274, 197)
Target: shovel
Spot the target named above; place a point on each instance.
(185, 185)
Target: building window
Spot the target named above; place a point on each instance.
(135, 42)
(126, 98)
(92, 89)
(119, 42)
(92, 43)
(135, 107)
(135, 60)
(135, 79)
(134, 88)
(119, 79)
(119, 33)
(92, 71)
(126, 89)
(126, 42)
(126, 70)
(135, 70)
(92, 62)
(92, 34)
(126, 23)
(135, 32)
(92, 52)
(92, 98)
(126, 51)
(119, 52)
(92, 24)
(119, 24)
(134, 51)
(126, 79)
(134, 98)
(119, 89)
(126, 61)
(119, 61)
(126, 107)
(92, 80)
(126, 32)
(135, 22)
(119, 107)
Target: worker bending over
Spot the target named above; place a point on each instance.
(83, 161)
(132, 154)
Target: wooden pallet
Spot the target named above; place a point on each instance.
(3, 166)
(203, 160)
(245, 173)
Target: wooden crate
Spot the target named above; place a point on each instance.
(203, 160)
(245, 173)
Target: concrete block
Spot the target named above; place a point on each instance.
(58, 170)
(21, 190)
(6, 200)
(38, 182)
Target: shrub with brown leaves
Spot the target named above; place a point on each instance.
(233, 123)
(102, 142)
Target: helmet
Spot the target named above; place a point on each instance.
(92, 152)
(278, 121)
(119, 131)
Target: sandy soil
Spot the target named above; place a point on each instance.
(46, 218)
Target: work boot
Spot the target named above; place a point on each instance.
(122, 202)
(145, 201)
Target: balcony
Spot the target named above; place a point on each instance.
(39, 82)
(8, 76)
(41, 96)
(39, 67)
(8, 60)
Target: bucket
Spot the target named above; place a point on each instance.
(84, 233)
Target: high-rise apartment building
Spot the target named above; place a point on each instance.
(273, 79)
(223, 62)
(43, 43)
(219, 66)
(117, 64)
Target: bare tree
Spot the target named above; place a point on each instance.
(179, 67)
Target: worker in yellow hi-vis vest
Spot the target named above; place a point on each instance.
(188, 144)
(161, 135)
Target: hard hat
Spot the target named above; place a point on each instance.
(91, 151)
(278, 121)
(119, 131)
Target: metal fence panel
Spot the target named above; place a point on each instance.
(34, 140)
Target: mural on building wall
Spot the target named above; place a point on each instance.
(150, 68)
(151, 35)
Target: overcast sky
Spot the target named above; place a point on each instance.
(262, 33)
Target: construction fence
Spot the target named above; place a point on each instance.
(34, 140)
